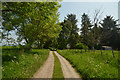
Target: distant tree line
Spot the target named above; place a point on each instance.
(93, 34)
(38, 25)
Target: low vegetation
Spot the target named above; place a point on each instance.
(92, 64)
(57, 69)
(19, 64)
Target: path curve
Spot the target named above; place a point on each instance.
(46, 71)
(68, 70)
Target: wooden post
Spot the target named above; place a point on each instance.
(118, 50)
(85, 49)
(113, 53)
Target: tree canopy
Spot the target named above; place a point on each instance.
(36, 21)
(69, 34)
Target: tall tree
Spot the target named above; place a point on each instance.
(110, 30)
(85, 29)
(73, 39)
(64, 34)
(95, 37)
(33, 21)
(69, 33)
(95, 31)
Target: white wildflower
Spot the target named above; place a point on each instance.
(13, 61)
(14, 56)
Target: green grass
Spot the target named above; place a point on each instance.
(19, 64)
(92, 64)
(57, 69)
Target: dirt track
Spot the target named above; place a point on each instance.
(68, 70)
(46, 71)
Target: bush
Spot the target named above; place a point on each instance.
(81, 46)
(52, 49)
(98, 47)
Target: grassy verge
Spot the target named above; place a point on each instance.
(93, 65)
(17, 64)
(57, 69)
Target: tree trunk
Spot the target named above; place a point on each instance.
(26, 40)
(113, 53)
(85, 49)
(101, 51)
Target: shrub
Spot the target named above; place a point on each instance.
(52, 49)
(81, 46)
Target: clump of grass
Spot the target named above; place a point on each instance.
(57, 69)
(22, 65)
(93, 65)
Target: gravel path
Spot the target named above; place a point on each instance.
(46, 71)
(68, 70)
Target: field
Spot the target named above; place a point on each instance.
(92, 64)
(19, 64)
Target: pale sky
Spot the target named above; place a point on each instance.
(78, 8)
(91, 0)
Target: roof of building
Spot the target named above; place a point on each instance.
(106, 47)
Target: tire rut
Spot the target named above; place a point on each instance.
(46, 71)
(68, 70)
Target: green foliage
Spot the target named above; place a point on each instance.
(110, 32)
(10, 47)
(93, 64)
(73, 38)
(19, 64)
(57, 69)
(69, 33)
(33, 21)
(64, 34)
(52, 49)
(85, 30)
(80, 46)
(95, 36)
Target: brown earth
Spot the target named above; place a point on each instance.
(68, 70)
(46, 71)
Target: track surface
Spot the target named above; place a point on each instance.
(68, 70)
(46, 71)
